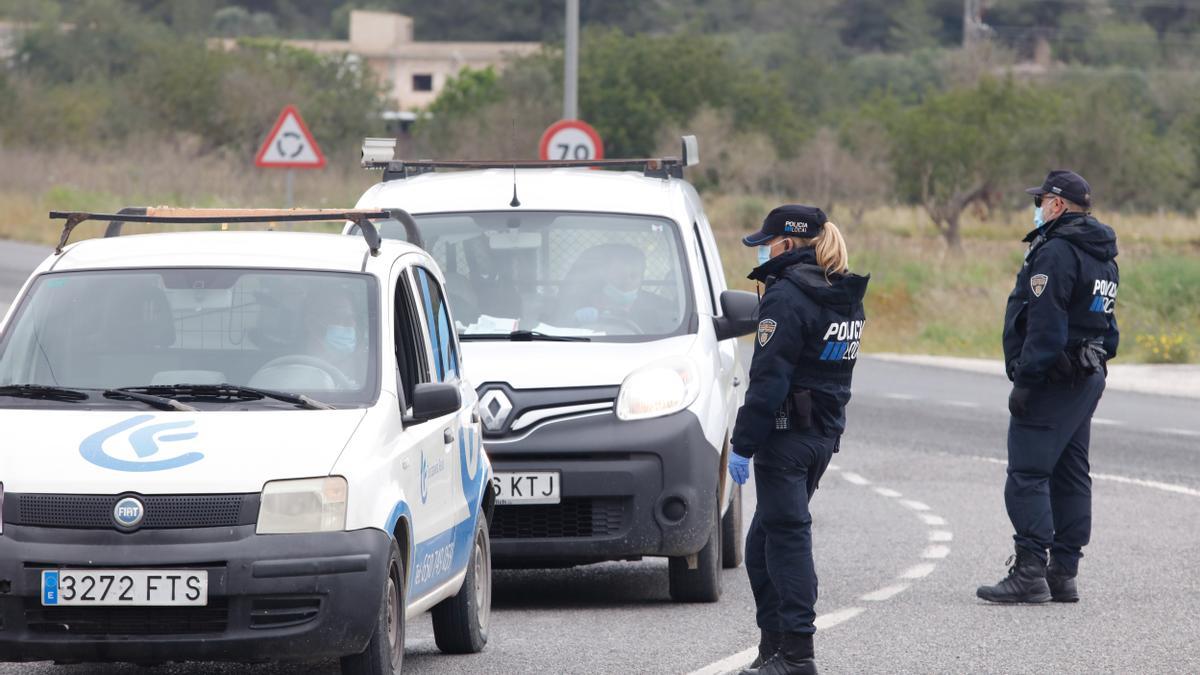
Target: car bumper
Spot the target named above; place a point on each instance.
(629, 489)
(271, 597)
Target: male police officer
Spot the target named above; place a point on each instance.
(810, 324)
(1059, 331)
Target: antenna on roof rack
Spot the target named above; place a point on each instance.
(515, 202)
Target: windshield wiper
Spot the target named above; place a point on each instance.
(160, 402)
(226, 390)
(525, 336)
(43, 391)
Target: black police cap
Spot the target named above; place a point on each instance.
(1066, 184)
(791, 220)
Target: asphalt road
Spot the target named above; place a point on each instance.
(909, 520)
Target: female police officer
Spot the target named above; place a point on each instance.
(810, 322)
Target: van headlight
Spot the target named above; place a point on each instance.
(305, 505)
(658, 389)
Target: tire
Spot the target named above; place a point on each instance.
(460, 623)
(732, 543)
(384, 654)
(702, 584)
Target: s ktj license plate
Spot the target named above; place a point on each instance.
(124, 587)
(527, 488)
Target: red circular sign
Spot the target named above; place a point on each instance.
(570, 140)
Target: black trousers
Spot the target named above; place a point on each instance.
(779, 545)
(1048, 493)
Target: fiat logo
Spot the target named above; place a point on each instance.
(129, 512)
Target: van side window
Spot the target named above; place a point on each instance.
(712, 295)
(439, 325)
(410, 342)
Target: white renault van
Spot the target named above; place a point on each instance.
(600, 333)
(238, 446)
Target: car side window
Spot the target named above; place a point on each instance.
(410, 341)
(439, 325)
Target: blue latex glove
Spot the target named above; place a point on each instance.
(587, 315)
(739, 468)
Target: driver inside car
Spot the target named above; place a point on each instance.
(332, 331)
(608, 296)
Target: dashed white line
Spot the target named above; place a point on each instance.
(935, 552)
(827, 621)
(918, 571)
(1179, 432)
(886, 492)
(931, 519)
(885, 593)
(855, 478)
(914, 505)
(1104, 421)
(1125, 480)
(960, 404)
(833, 467)
(941, 535)
(744, 657)
(900, 397)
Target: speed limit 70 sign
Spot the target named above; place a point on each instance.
(570, 140)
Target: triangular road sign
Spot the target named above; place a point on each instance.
(290, 145)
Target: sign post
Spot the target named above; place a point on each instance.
(289, 145)
(570, 140)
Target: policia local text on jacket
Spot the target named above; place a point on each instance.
(1059, 331)
(807, 344)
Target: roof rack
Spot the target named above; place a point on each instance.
(379, 153)
(172, 215)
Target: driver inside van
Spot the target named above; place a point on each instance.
(607, 283)
(332, 331)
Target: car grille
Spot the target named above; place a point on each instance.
(162, 511)
(282, 611)
(139, 621)
(574, 517)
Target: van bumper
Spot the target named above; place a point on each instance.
(629, 489)
(271, 597)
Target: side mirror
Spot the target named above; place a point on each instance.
(433, 399)
(739, 314)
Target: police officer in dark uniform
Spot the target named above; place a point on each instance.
(1059, 332)
(810, 322)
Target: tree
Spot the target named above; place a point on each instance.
(956, 147)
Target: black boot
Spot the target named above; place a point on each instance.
(795, 657)
(1061, 583)
(1026, 581)
(768, 645)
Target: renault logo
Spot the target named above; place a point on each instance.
(494, 409)
(129, 512)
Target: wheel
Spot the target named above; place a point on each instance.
(385, 652)
(702, 584)
(733, 546)
(460, 623)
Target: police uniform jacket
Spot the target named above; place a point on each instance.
(1065, 294)
(808, 339)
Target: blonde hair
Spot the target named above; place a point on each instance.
(830, 249)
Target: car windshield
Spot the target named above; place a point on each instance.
(311, 333)
(601, 276)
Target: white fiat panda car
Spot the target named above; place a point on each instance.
(238, 446)
(600, 333)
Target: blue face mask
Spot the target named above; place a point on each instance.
(341, 339)
(1037, 217)
(764, 254)
(619, 297)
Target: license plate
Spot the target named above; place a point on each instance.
(527, 488)
(124, 587)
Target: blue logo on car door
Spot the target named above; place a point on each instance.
(144, 440)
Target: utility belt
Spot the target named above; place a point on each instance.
(1079, 361)
(796, 413)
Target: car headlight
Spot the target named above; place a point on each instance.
(658, 389)
(305, 505)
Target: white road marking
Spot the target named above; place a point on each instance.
(833, 467)
(915, 505)
(960, 404)
(935, 552)
(1179, 432)
(855, 478)
(885, 593)
(827, 621)
(900, 397)
(1104, 421)
(941, 535)
(886, 492)
(1125, 480)
(931, 519)
(918, 571)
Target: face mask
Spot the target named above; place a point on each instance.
(764, 254)
(1037, 217)
(621, 298)
(341, 339)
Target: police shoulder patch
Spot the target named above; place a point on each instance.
(766, 330)
(1038, 283)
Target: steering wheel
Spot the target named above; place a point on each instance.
(339, 378)
(610, 319)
